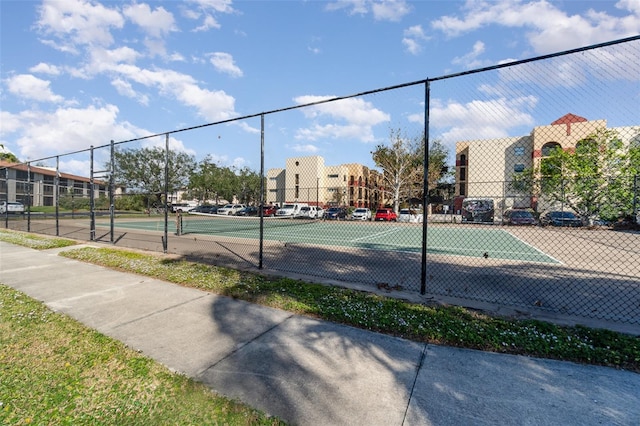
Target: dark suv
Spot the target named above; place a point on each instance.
(336, 213)
(558, 218)
(519, 217)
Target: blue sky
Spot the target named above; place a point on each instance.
(80, 73)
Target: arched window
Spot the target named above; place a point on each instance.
(549, 147)
(586, 145)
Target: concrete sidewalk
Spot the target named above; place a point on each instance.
(312, 372)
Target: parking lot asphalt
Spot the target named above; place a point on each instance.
(311, 372)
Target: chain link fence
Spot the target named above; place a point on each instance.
(504, 208)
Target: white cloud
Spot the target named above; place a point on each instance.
(207, 9)
(66, 130)
(480, 119)
(382, 10)
(155, 23)
(412, 38)
(308, 148)
(78, 22)
(550, 29)
(578, 69)
(356, 7)
(470, 60)
(390, 10)
(28, 87)
(43, 68)
(125, 89)
(360, 117)
(224, 63)
(207, 23)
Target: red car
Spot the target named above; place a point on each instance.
(269, 211)
(387, 215)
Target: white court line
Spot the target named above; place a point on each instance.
(533, 247)
(377, 234)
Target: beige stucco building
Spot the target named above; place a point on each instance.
(484, 167)
(309, 180)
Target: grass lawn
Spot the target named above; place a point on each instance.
(56, 371)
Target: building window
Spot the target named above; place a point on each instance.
(518, 168)
(463, 173)
(332, 176)
(518, 151)
(297, 192)
(547, 148)
(463, 189)
(297, 179)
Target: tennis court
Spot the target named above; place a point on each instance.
(460, 240)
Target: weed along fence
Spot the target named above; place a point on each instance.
(527, 194)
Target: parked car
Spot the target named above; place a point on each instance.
(409, 215)
(361, 213)
(312, 212)
(269, 211)
(387, 215)
(335, 213)
(206, 208)
(183, 207)
(11, 207)
(560, 218)
(247, 211)
(290, 209)
(519, 217)
(230, 209)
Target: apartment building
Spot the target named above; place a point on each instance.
(309, 180)
(484, 167)
(36, 185)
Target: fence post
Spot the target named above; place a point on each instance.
(165, 240)
(636, 207)
(92, 207)
(57, 191)
(29, 192)
(111, 195)
(425, 189)
(262, 189)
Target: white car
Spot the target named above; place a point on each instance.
(290, 209)
(310, 211)
(11, 208)
(230, 209)
(408, 215)
(361, 213)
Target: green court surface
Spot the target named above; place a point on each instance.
(460, 240)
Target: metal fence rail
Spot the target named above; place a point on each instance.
(485, 232)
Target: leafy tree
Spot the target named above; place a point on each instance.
(402, 165)
(249, 186)
(595, 179)
(399, 163)
(8, 156)
(211, 181)
(143, 170)
(438, 169)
